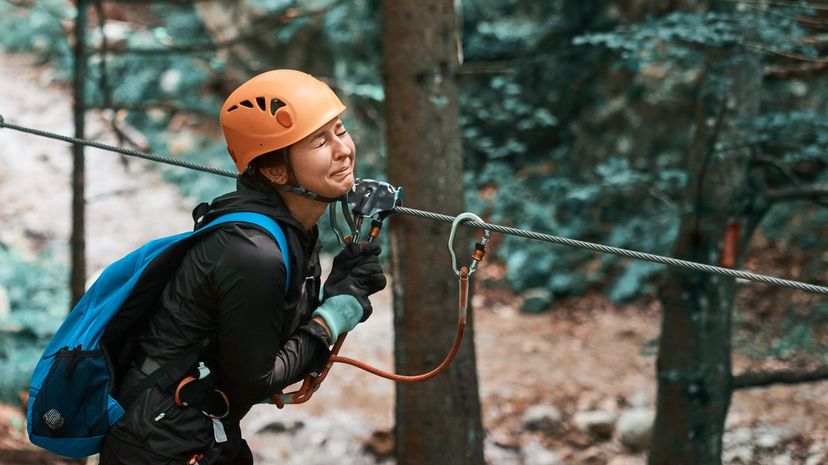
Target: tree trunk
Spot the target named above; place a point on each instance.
(77, 277)
(694, 367)
(437, 421)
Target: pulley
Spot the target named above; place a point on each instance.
(368, 198)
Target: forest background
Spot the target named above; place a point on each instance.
(578, 118)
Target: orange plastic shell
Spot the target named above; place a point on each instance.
(275, 110)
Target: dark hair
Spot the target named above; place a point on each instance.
(276, 158)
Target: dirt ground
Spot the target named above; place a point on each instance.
(583, 354)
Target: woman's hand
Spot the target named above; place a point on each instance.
(355, 275)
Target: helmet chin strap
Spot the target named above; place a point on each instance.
(306, 193)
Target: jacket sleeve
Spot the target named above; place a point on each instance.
(249, 283)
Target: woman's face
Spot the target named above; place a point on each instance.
(324, 161)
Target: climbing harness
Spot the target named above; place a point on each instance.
(312, 382)
(694, 266)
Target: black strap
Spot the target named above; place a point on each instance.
(204, 397)
(306, 193)
(164, 377)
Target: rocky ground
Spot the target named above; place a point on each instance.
(570, 386)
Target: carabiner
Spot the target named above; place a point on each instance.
(480, 246)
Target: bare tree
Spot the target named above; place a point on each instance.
(694, 367)
(78, 239)
(438, 421)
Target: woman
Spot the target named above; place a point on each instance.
(228, 300)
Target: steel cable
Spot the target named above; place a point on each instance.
(738, 274)
(121, 150)
(622, 252)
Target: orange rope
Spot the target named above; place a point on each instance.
(311, 383)
(408, 378)
(461, 325)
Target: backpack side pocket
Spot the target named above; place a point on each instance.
(74, 399)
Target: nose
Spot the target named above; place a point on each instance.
(341, 147)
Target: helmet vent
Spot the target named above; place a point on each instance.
(261, 102)
(275, 104)
(234, 107)
(246, 103)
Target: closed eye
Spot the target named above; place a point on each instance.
(341, 131)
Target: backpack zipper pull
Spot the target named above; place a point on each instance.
(203, 371)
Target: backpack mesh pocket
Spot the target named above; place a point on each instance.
(73, 400)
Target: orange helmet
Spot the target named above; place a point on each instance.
(274, 110)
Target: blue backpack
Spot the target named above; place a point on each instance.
(71, 405)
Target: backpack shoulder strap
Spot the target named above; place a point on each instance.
(267, 223)
(169, 373)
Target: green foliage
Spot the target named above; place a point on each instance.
(680, 38)
(798, 338)
(520, 129)
(39, 297)
(562, 109)
(38, 29)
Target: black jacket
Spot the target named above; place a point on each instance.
(229, 293)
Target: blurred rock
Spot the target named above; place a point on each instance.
(742, 454)
(535, 454)
(541, 418)
(782, 460)
(635, 427)
(768, 440)
(281, 427)
(770, 436)
(598, 423)
(501, 456)
(381, 444)
(737, 437)
(642, 399)
(503, 439)
(817, 458)
(536, 300)
(591, 455)
(626, 460)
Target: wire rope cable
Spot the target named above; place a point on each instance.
(816, 289)
(121, 150)
(685, 264)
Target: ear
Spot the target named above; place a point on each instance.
(275, 174)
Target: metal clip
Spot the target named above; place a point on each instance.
(480, 246)
(366, 199)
